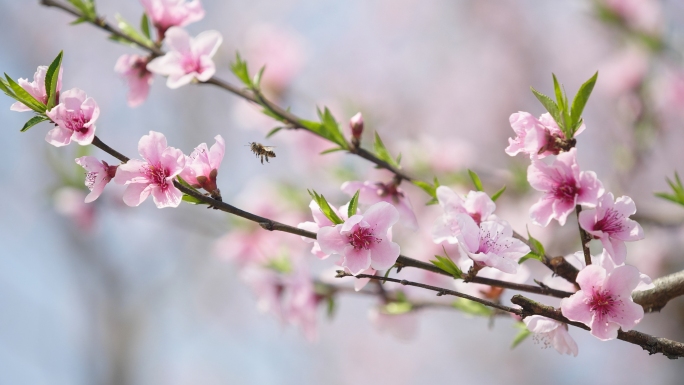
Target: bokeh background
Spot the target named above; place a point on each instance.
(108, 294)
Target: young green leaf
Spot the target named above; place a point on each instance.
(353, 205)
(580, 101)
(122, 40)
(330, 308)
(325, 207)
(396, 308)
(192, 200)
(446, 264)
(4, 86)
(33, 121)
(530, 255)
(677, 189)
(273, 131)
(132, 33)
(24, 97)
(498, 193)
(550, 106)
(523, 333)
(476, 180)
(471, 307)
(51, 80)
(256, 82)
(145, 26)
(239, 68)
(427, 187)
(330, 129)
(382, 153)
(331, 150)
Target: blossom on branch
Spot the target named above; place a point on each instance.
(374, 192)
(564, 186)
(320, 220)
(363, 241)
(172, 13)
(188, 59)
(477, 205)
(134, 69)
(551, 333)
(98, 175)
(75, 118)
(537, 138)
(37, 88)
(201, 167)
(153, 175)
(610, 223)
(604, 301)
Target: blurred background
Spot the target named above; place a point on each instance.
(108, 294)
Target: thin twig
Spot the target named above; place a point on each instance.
(584, 238)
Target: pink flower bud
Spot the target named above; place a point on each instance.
(356, 125)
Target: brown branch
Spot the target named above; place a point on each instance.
(559, 265)
(666, 288)
(584, 238)
(440, 291)
(671, 349)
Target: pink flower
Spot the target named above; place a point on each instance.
(134, 69)
(69, 202)
(536, 137)
(36, 88)
(75, 118)
(99, 174)
(169, 13)
(564, 186)
(403, 326)
(610, 223)
(490, 244)
(153, 175)
(201, 167)
(552, 333)
(477, 204)
(363, 241)
(605, 261)
(604, 302)
(374, 192)
(188, 59)
(320, 220)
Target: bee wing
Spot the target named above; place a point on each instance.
(269, 148)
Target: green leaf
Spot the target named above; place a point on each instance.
(51, 80)
(471, 307)
(281, 264)
(79, 21)
(325, 207)
(145, 26)
(523, 333)
(192, 200)
(331, 150)
(131, 32)
(530, 255)
(677, 189)
(580, 101)
(382, 153)
(87, 8)
(273, 131)
(239, 68)
(447, 265)
(33, 121)
(550, 106)
(427, 187)
(330, 129)
(476, 180)
(122, 40)
(4, 86)
(431, 202)
(257, 78)
(537, 247)
(498, 193)
(21, 95)
(330, 308)
(560, 100)
(396, 308)
(353, 205)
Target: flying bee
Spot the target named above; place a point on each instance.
(264, 152)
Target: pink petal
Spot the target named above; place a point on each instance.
(59, 136)
(216, 152)
(603, 329)
(541, 212)
(628, 315)
(208, 69)
(331, 241)
(173, 160)
(169, 64)
(19, 107)
(616, 248)
(384, 254)
(91, 164)
(84, 138)
(356, 260)
(207, 43)
(590, 188)
(562, 209)
(177, 80)
(98, 187)
(540, 324)
(368, 191)
(381, 216)
(130, 172)
(622, 281)
(406, 213)
(590, 277)
(136, 193)
(495, 261)
(178, 40)
(575, 308)
(152, 146)
(562, 341)
(168, 197)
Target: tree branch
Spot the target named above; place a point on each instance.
(671, 349)
(666, 288)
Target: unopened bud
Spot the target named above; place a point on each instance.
(356, 125)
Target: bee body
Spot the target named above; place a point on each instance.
(261, 151)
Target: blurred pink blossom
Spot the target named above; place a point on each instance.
(643, 15)
(153, 175)
(403, 326)
(134, 69)
(610, 223)
(604, 302)
(363, 241)
(477, 204)
(165, 14)
(70, 202)
(188, 58)
(552, 333)
(564, 186)
(99, 173)
(374, 192)
(37, 88)
(75, 117)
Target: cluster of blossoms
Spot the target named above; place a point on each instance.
(604, 301)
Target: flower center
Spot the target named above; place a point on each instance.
(490, 242)
(603, 304)
(90, 180)
(565, 191)
(612, 222)
(362, 237)
(157, 175)
(75, 121)
(191, 64)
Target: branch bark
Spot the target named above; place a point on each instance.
(666, 288)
